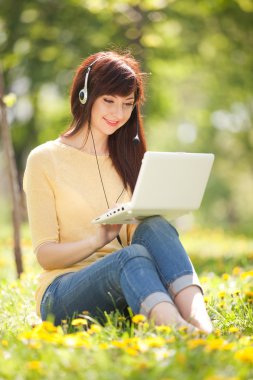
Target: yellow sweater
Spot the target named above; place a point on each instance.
(64, 193)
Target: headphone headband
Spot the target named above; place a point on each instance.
(83, 94)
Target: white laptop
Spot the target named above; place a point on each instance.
(168, 184)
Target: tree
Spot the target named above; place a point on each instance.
(13, 179)
(198, 54)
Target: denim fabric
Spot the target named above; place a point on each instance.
(140, 276)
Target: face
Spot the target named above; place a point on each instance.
(111, 112)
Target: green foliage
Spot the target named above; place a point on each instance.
(131, 348)
(199, 93)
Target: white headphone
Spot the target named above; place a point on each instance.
(83, 94)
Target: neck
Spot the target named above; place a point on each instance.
(83, 140)
(96, 143)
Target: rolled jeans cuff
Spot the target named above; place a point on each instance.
(152, 300)
(183, 282)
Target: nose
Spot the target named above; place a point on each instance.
(118, 111)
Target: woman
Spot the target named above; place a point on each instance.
(89, 168)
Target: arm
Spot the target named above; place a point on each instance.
(52, 255)
(39, 186)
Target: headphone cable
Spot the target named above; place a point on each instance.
(101, 180)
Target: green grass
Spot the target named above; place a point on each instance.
(124, 349)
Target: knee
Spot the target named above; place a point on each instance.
(134, 251)
(157, 224)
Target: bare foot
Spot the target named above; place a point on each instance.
(165, 313)
(191, 305)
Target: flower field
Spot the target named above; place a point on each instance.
(131, 348)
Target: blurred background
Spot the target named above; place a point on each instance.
(198, 94)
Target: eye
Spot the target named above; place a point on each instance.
(108, 100)
(129, 104)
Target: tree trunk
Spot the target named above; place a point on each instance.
(13, 179)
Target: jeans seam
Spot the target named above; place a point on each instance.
(141, 242)
(185, 272)
(166, 283)
(141, 299)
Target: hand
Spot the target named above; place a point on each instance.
(106, 233)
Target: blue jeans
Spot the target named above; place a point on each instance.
(153, 269)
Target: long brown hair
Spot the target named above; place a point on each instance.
(112, 74)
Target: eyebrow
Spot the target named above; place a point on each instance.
(130, 98)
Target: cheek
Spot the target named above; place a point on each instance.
(97, 111)
(128, 115)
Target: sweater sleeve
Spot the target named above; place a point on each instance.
(40, 199)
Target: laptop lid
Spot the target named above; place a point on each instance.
(171, 181)
(168, 184)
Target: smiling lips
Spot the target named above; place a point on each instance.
(112, 123)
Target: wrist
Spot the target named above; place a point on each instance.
(95, 243)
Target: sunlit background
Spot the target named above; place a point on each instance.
(198, 56)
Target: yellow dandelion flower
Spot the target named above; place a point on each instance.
(183, 329)
(103, 346)
(34, 365)
(217, 332)
(131, 340)
(219, 345)
(194, 343)
(228, 346)
(206, 299)
(139, 318)
(221, 305)
(233, 329)
(248, 293)
(94, 329)
(235, 293)
(222, 294)
(131, 351)
(236, 271)
(118, 343)
(225, 276)
(245, 355)
(214, 345)
(5, 343)
(48, 326)
(163, 329)
(79, 322)
(26, 335)
(246, 274)
(155, 341)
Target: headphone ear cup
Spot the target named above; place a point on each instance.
(83, 96)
